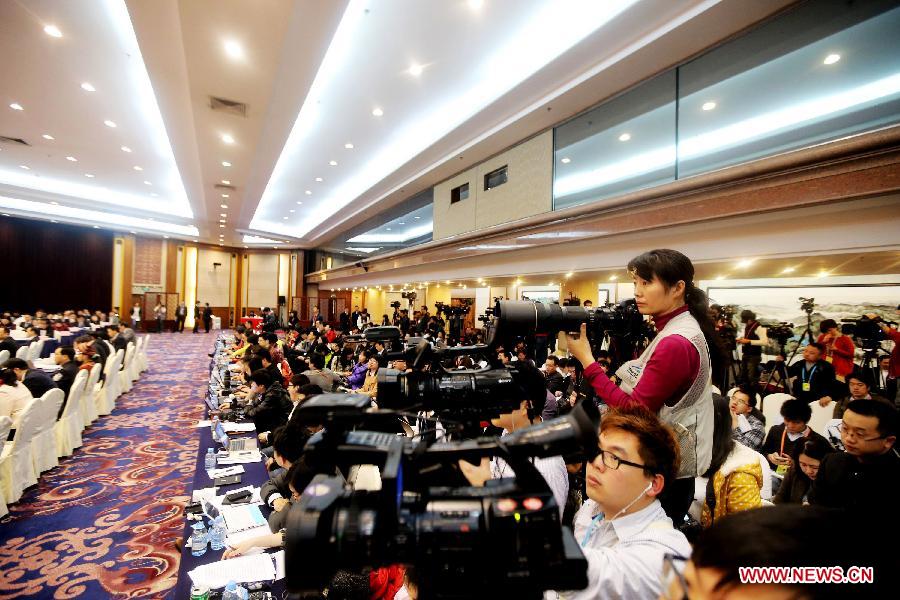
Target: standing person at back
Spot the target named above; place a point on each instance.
(180, 316)
(159, 311)
(136, 315)
(207, 317)
(752, 342)
(839, 348)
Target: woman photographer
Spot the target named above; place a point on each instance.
(672, 377)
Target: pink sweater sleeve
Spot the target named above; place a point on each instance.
(667, 376)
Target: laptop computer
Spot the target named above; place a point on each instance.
(236, 444)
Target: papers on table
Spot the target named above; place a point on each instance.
(46, 364)
(202, 423)
(237, 537)
(243, 569)
(230, 427)
(244, 456)
(204, 494)
(226, 471)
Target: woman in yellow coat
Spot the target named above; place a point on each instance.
(735, 476)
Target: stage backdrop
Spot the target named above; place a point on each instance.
(54, 266)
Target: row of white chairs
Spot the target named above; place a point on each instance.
(43, 436)
(770, 406)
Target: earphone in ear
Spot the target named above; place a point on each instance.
(648, 488)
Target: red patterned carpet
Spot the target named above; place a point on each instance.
(103, 523)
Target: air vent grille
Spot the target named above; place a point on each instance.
(228, 106)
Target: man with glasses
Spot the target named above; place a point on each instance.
(623, 529)
(747, 427)
(866, 476)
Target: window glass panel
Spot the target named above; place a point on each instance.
(821, 72)
(623, 145)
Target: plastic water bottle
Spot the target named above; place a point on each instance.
(214, 425)
(198, 539)
(217, 533)
(233, 591)
(210, 460)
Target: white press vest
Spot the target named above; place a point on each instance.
(692, 416)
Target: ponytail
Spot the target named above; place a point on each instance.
(698, 305)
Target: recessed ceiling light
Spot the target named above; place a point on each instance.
(16, 106)
(613, 277)
(222, 226)
(285, 218)
(743, 264)
(5, 214)
(299, 202)
(720, 277)
(417, 217)
(89, 175)
(333, 163)
(88, 87)
(831, 59)
(54, 221)
(788, 270)
(226, 182)
(292, 210)
(165, 236)
(109, 123)
(401, 223)
(96, 227)
(377, 112)
(138, 168)
(71, 159)
(319, 179)
(234, 50)
(223, 214)
(47, 136)
(53, 31)
(823, 273)
(55, 203)
(624, 137)
(708, 105)
(223, 205)
(225, 163)
(416, 69)
(221, 220)
(147, 183)
(133, 232)
(387, 228)
(126, 149)
(565, 160)
(227, 138)
(348, 146)
(476, 4)
(226, 196)
(154, 194)
(26, 167)
(309, 192)
(221, 243)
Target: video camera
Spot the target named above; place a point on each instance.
(621, 324)
(501, 540)
(807, 305)
(452, 311)
(781, 332)
(866, 330)
(395, 304)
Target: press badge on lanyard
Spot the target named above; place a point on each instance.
(806, 380)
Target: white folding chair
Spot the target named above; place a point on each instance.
(22, 352)
(88, 405)
(43, 443)
(134, 368)
(821, 415)
(716, 390)
(771, 408)
(144, 362)
(34, 350)
(4, 356)
(16, 460)
(125, 372)
(68, 428)
(109, 391)
(5, 426)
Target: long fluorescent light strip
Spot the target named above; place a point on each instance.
(253, 239)
(387, 238)
(512, 64)
(83, 216)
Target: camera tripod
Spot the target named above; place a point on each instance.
(808, 307)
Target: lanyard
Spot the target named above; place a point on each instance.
(784, 435)
(811, 371)
(590, 529)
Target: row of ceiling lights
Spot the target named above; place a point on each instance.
(708, 106)
(54, 31)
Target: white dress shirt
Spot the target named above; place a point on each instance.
(13, 400)
(625, 556)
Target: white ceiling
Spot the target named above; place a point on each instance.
(310, 74)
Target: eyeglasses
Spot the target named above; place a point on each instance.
(845, 430)
(612, 461)
(674, 586)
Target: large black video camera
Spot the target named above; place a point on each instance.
(865, 330)
(621, 324)
(501, 540)
(781, 332)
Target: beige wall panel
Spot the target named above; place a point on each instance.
(528, 190)
(457, 218)
(262, 284)
(214, 283)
